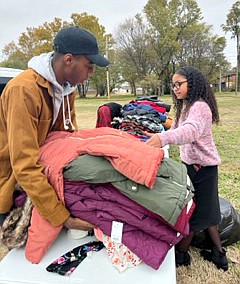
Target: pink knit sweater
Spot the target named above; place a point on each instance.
(194, 136)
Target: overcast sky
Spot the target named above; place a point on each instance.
(17, 15)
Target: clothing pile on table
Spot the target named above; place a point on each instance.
(144, 114)
(108, 175)
(153, 219)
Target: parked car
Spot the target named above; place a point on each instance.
(6, 74)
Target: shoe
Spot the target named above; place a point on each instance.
(182, 258)
(217, 257)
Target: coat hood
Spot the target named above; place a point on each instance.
(42, 64)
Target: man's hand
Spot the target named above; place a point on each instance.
(79, 224)
(154, 141)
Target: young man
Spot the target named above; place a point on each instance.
(40, 100)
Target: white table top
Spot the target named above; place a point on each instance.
(97, 268)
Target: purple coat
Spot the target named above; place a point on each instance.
(143, 232)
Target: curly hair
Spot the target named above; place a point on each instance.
(198, 88)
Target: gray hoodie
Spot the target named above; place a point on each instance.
(42, 64)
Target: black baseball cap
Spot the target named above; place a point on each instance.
(78, 41)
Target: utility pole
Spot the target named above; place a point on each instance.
(220, 80)
(107, 70)
(236, 89)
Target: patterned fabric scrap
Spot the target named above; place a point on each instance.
(119, 254)
(67, 263)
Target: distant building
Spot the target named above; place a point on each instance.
(123, 88)
(228, 82)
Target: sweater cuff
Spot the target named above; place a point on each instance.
(163, 139)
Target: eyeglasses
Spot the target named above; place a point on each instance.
(177, 84)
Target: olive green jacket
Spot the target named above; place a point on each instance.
(171, 192)
(26, 112)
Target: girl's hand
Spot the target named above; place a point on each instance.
(154, 141)
(149, 134)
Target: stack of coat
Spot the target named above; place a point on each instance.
(143, 115)
(154, 219)
(121, 179)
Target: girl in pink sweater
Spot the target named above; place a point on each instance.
(196, 110)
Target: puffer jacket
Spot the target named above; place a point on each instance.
(26, 112)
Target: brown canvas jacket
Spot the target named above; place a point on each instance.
(26, 112)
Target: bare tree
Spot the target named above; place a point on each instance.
(233, 26)
(132, 38)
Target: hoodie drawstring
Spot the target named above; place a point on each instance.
(69, 120)
(42, 64)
